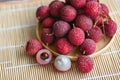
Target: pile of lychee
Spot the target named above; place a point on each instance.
(69, 24)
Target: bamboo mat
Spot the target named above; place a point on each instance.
(17, 25)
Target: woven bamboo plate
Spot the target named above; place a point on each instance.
(100, 46)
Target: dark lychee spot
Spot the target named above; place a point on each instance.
(44, 56)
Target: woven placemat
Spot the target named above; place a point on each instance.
(17, 26)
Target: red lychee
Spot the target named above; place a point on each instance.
(88, 47)
(92, 0)
(48, 22)
(68, 13)
(110, 28)
(95, 34)
(85, 64)
(105, 9)
(55, 8)
(76, 36)
(64, 46)
(93, 9)
(47, 36)
(84, 22)
(78, 3)
(42, 12)
(60, 28)
(33, 46)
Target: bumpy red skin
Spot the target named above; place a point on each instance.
(85, 64)
(33, 46)
(88, 47)
(48, 22)
(42, 12)
(110, 28)
(55, 8)
(64, 46)
(68, 13)
(95, 34)
(78, 3)
(76, 36)
(105, 9)
(93, 9)
(92, 0)
(46, 38)
(61, 28)
(84, 22)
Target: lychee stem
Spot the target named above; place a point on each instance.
(83, 52)
(44, 56)
(104, 31)
(73, 25)
(87, 33)
(50, 34)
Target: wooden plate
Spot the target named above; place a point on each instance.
(100, 46)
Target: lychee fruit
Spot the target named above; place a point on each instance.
(85, 64)
(42, 12)
(84, 22)
(78, 3)
(93, 9)
(68, 13)
(62, 63)
(46, 36)
(55, 7)
(33, 46)
(88, 47)
(110, 28)
(61, 28)
(76, 36)
(64, 46)
(95, 34)
(92, 0)
(105, 9)
(43, 57)
(48, 22)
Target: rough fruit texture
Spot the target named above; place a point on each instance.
(55, 7)
(48, 22)
(33, 46)
(42, 12)
(62, 63)
(95, 34)
(68, 13)
(64, 46)
(93, 9)
(110, 28)
(61, 28)
(85, 64)
(43, 57)
(46, 36)
(88, 47)
(78, 3)
(84, 22)
(105, 9)
(76, 36)
(92, 0)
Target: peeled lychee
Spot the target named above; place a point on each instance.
(93, 9)
(95, 34)
(88, 47)
(47, 36)
(78, 3)
(68, 13)
(33, 46)
(84, 22)
(85, 64)
(62, 63)
(44, 57)
(42, 12)
(110, 28)
(105, 9)
(48, 22)
(76, 36)
(55, 8)
(60, 28)
(64, 46)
